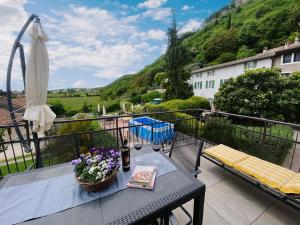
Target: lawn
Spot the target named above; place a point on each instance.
(75, 103)
(13, 168)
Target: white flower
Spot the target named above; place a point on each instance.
(92, 169)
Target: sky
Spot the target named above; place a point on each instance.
(93, 42)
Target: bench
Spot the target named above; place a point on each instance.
(275, 180)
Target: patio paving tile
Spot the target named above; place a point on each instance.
(210, 216)
(279, 214)
(211, 174)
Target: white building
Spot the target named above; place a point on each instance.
(207, 81)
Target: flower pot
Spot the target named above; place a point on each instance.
(95, 187)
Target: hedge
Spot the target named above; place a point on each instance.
(194, 102)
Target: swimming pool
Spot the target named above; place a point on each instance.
(151, 130)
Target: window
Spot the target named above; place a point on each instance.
(210, 84)
(210, 73)
(222, 81)
(297, 57)
(250, 65)
(200, 85)
(287, 58)
(206, 85)
(195, 85)
(199, 75)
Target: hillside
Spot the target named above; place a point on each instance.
(235, 31)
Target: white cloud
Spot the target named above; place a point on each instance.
(160, 14)
(152, 34)
(185, 8)
(84, 39)
(151, 4)
(12, 15)
(156, 34)
(80, 84)
(191, 25)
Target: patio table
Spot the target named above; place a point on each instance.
(128, 206)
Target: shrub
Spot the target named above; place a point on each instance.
(64, 148)
(58, 108)
(149, 96)
(113, 106)
(72, 112)
(194, 102)
(272, 148)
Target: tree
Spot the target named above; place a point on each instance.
(261, 93)
(160, 78)
(245, 52)
(177, 57)
(220, 42)
(228, 26)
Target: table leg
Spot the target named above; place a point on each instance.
(199, 208)
(166, 220)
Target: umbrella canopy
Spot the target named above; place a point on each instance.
(103, 111)
(36, 81)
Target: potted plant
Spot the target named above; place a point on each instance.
(97, 169)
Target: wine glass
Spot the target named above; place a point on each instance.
(137, 146)
(156, 145)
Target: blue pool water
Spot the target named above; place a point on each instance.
(151, 130)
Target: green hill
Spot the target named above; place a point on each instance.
(231, 33)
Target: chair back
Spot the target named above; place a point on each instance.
(186, 151)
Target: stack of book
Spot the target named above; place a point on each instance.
(143, 177)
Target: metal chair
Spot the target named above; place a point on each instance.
(186, 152)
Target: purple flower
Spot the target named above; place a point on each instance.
(92, 150)
(76, 161)
(89, 161)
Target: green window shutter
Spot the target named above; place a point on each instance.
(221, 82)
(213, 84)
(200, 84)
(206, 86)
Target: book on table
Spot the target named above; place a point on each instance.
(143, 177)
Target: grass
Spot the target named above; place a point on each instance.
(13, 167)
(75, 103)
(17, 157)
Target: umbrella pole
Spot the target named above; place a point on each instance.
(18, 45)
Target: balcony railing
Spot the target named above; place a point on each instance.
(274, 141)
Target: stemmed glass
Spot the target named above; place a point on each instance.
(156, 145)
(138, 145)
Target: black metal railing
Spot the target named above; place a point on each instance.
(274, 141)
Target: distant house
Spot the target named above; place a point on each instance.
(207, 81)
(19, 104)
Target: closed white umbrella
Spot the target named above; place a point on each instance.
(103, 111)
(37, 74)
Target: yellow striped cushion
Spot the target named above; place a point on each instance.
(225, 154)
(293, 186)
(266, 172)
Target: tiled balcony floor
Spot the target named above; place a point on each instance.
(230, 200)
